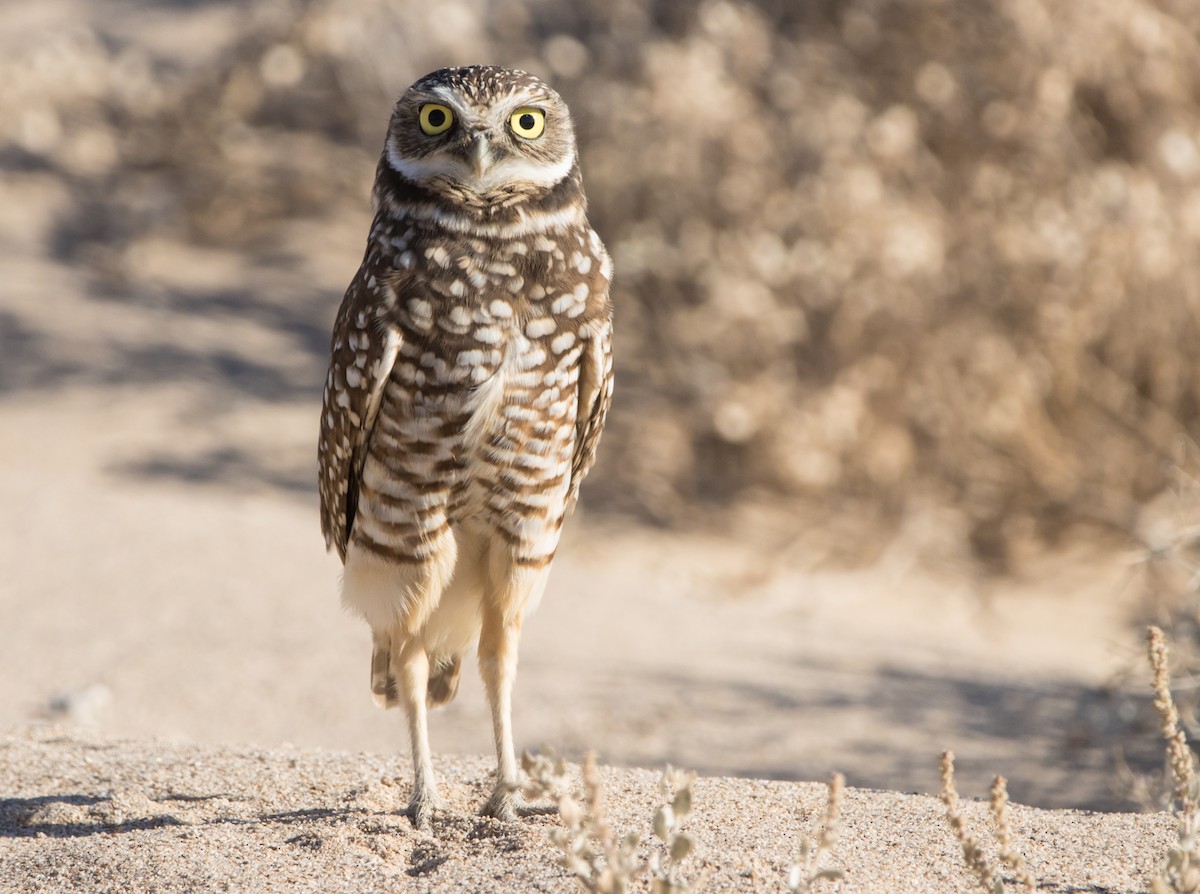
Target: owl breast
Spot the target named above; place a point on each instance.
(477, 419)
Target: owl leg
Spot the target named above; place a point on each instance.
(498, 643)
(396, 600)
(410, 666)
(499, 639)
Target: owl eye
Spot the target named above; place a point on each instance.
(528, 123)
(435, 119)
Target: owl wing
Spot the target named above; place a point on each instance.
(362, 352)
(595, 397)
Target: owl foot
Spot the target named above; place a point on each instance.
(506, 807)
(421, 809)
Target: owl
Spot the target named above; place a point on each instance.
(469, 380)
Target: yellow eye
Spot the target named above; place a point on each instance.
(435, 119)
(528, 123)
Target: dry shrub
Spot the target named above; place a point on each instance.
(601, 862)
(882, 251)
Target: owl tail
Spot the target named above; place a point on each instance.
(443, 680)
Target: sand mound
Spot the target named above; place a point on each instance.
(83, 812)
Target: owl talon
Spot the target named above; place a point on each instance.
(507, 808)
(421, 810)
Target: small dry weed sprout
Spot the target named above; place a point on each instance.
(806, 871)
(1181, 873)
(600, 862)
(1009, 855)
(989, 879)
(676, 786)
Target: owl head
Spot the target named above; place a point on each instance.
(481, 135)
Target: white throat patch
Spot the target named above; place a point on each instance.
(496, 176)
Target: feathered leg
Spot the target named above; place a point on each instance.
(397, 600)
(410, 665)
(504, 607)
(498, 643)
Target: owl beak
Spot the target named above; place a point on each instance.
(480, 156)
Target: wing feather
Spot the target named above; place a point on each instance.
(595, 397)
(362, 352)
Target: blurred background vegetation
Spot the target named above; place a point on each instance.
(877, 260)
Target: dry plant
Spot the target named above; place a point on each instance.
(973, 854)
(600, 861)
(676, 786)
(1181, 872)
(1009, 855)
(806, 871)
(990, 880)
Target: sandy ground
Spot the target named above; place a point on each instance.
(83, 812)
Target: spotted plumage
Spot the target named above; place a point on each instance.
(470, 377)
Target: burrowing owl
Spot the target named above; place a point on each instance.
(470, 377)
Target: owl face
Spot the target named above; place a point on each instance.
(481, 134)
